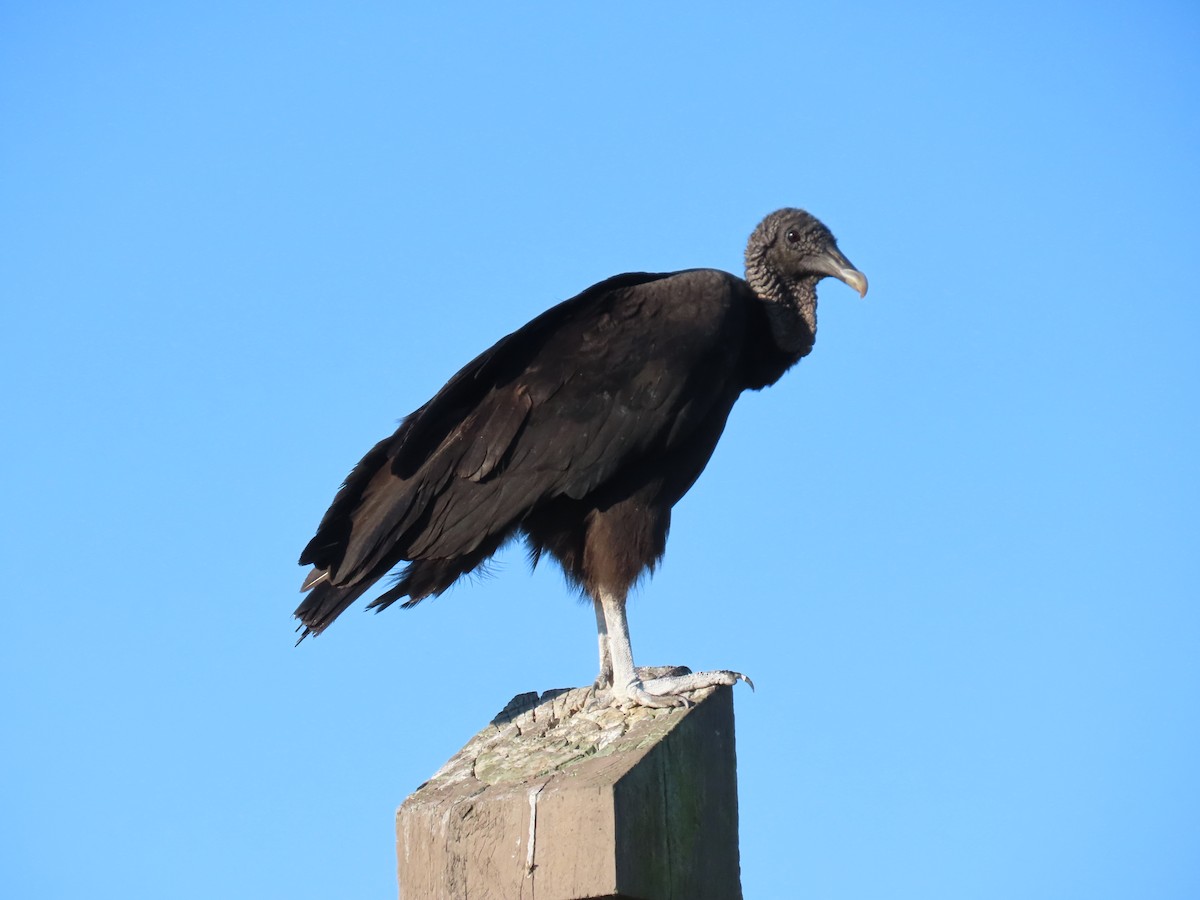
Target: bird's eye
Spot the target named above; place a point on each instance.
(793, 236)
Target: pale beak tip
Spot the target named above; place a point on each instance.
(856, 280)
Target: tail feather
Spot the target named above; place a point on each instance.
(421, 578)
(324, 603)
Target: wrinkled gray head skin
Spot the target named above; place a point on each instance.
(791, 245)
(788, 253)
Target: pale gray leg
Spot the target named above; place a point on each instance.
(605, 678)
(627, 687)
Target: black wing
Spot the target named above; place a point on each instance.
(624, 370)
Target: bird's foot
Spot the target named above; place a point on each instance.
(635, 694)
(663, 686)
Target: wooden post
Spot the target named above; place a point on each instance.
(563, 797)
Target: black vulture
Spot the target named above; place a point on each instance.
(578, 432)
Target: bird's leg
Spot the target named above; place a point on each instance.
(627, 686)
(605, 678)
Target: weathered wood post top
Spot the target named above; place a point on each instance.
(564, 797)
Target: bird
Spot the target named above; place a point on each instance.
(578, 433)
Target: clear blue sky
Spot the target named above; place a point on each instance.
(956, 547)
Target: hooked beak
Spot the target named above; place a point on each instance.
(834, 264)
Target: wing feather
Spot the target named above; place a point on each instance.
(556, 408)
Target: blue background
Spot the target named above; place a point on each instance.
(956, 547)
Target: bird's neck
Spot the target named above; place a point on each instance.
(791, 308)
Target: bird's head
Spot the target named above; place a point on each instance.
(792, 249)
